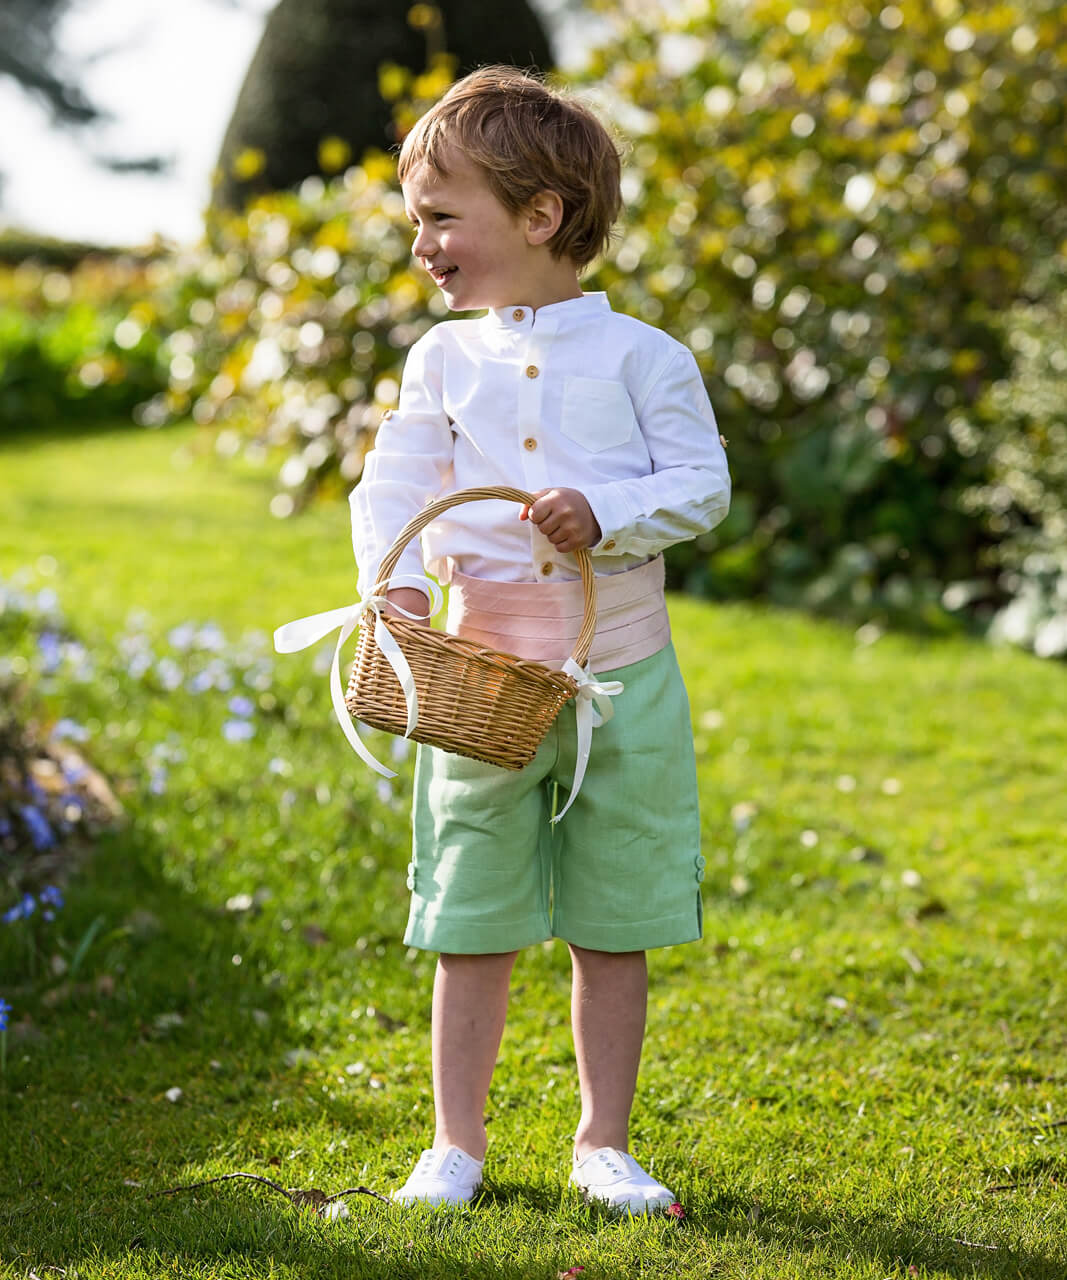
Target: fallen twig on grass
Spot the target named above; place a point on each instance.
(310, 1198)
(973, 1244)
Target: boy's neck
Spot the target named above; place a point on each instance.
(557, 283)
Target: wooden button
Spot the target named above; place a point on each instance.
(609, 545)
(723, 441)
(546, 568)
(518, 313)
(530, 444)
(532, 371)
(387, 414)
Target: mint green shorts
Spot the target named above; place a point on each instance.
(620, 872)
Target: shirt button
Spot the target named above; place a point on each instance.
(529, 444)
(546, 568)
(532, 371)
(609, 545)
(518, 313)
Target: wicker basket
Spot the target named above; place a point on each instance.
(473, 701)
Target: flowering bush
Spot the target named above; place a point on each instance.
(831, 205)
(289, 326)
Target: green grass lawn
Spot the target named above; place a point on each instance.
(861, 1072)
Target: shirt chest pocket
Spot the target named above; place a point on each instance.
(597, 413)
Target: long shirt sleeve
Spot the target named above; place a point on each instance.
(408, 465)
(688, 489)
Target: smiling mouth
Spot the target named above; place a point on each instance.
(441, 274)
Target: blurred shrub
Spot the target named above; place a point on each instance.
(289, 326)
(831, 206)
(848, 214)
(1023, 418)
(77, 344)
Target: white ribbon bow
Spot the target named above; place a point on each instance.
(592, 702)
(592, 709)
(297, 635)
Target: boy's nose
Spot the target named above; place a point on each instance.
(423, 243)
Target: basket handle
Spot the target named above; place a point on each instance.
(430, 512)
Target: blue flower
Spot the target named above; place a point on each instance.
(200, 682)
(238, 730)
(169, 674)
(138, 665)
(37, 824)
(22, 909)
(5, 1009)
(241, 706)
(67, 728)
(51, 651)
(52, 895)
(210, 636)
(182, 636)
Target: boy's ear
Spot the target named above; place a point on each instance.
(544, 214)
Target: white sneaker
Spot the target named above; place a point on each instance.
(441, 1177)
(616, 1179)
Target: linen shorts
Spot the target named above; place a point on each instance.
(620, 872)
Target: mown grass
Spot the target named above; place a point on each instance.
(868, 1043)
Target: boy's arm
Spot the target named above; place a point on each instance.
(405, 469)
(688, 490)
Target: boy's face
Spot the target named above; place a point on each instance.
(477, 252)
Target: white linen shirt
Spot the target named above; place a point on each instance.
(572, 395)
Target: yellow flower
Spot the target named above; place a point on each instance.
(249, 162)
(334, 154)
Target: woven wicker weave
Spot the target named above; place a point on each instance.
(473, 701)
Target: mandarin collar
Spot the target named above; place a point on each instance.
(558, 312)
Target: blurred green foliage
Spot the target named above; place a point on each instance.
(1023, 420)
(855, 216)
(79, 343)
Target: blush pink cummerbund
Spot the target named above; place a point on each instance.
(540, 621)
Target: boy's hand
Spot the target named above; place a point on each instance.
(411, 599)
(564, 517)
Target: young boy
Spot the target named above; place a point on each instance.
(512, 190)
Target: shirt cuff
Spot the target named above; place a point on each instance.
(613, 514)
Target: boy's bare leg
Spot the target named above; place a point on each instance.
(609, 995)
(470, 1003)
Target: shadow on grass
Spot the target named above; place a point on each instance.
(88, 1136)
(87, 1129)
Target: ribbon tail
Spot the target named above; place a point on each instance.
(583, 718)
(297, 635)
(592, 709)
(344, 719)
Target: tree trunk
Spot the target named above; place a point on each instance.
(315, 74)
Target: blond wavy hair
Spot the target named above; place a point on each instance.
(526, 138)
